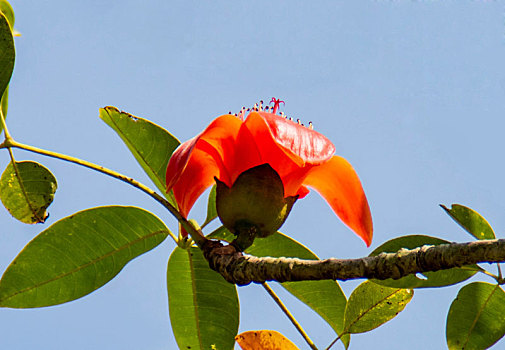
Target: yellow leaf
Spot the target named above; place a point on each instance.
(264, 340)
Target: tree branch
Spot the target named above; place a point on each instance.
(244, 269)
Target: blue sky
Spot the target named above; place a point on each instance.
(410, 92)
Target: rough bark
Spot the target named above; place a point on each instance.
(244, 269)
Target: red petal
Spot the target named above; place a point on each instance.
(232, 146)
(178, 162)
(294, 180)
(221, 134)
(302, 192)
(339, 184)
(197, 176)
(291, 167)
(246, 155)
(194, 164)
(309, 145)
(280, 159)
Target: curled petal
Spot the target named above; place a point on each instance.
(220, 134)
(282, 160)
(292, 163)
(246, 154)
(308, 145)
(198, 175)
(338, 183)
(178, 162)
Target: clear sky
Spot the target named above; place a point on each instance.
(411, 93)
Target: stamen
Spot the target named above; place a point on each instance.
(277, 103)
(259, 107)
(241, 114)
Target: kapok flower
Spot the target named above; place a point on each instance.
(302, 157)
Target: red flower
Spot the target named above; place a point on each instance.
(301, 156)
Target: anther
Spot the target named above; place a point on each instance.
(311, 126)
(299, 122)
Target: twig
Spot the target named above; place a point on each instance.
(284, 309)
(197, 235)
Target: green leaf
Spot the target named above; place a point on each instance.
(26, 190)
(4, 104)
(211, 207)
(8, 12)
(7, 57)
(471, 221)
(78, 255)
(204, 308)
(7, 53)
(476, 319)
(221, 233)
(427, 279)
(151, 145)
(324, 297)
(371, 305)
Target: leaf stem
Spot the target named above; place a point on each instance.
(333, 342)
(196, 234)
(295, 323)
(487, 273)
(4, 125)
(9, 140)
(11, 155)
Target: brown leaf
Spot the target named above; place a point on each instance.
(264, 340)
